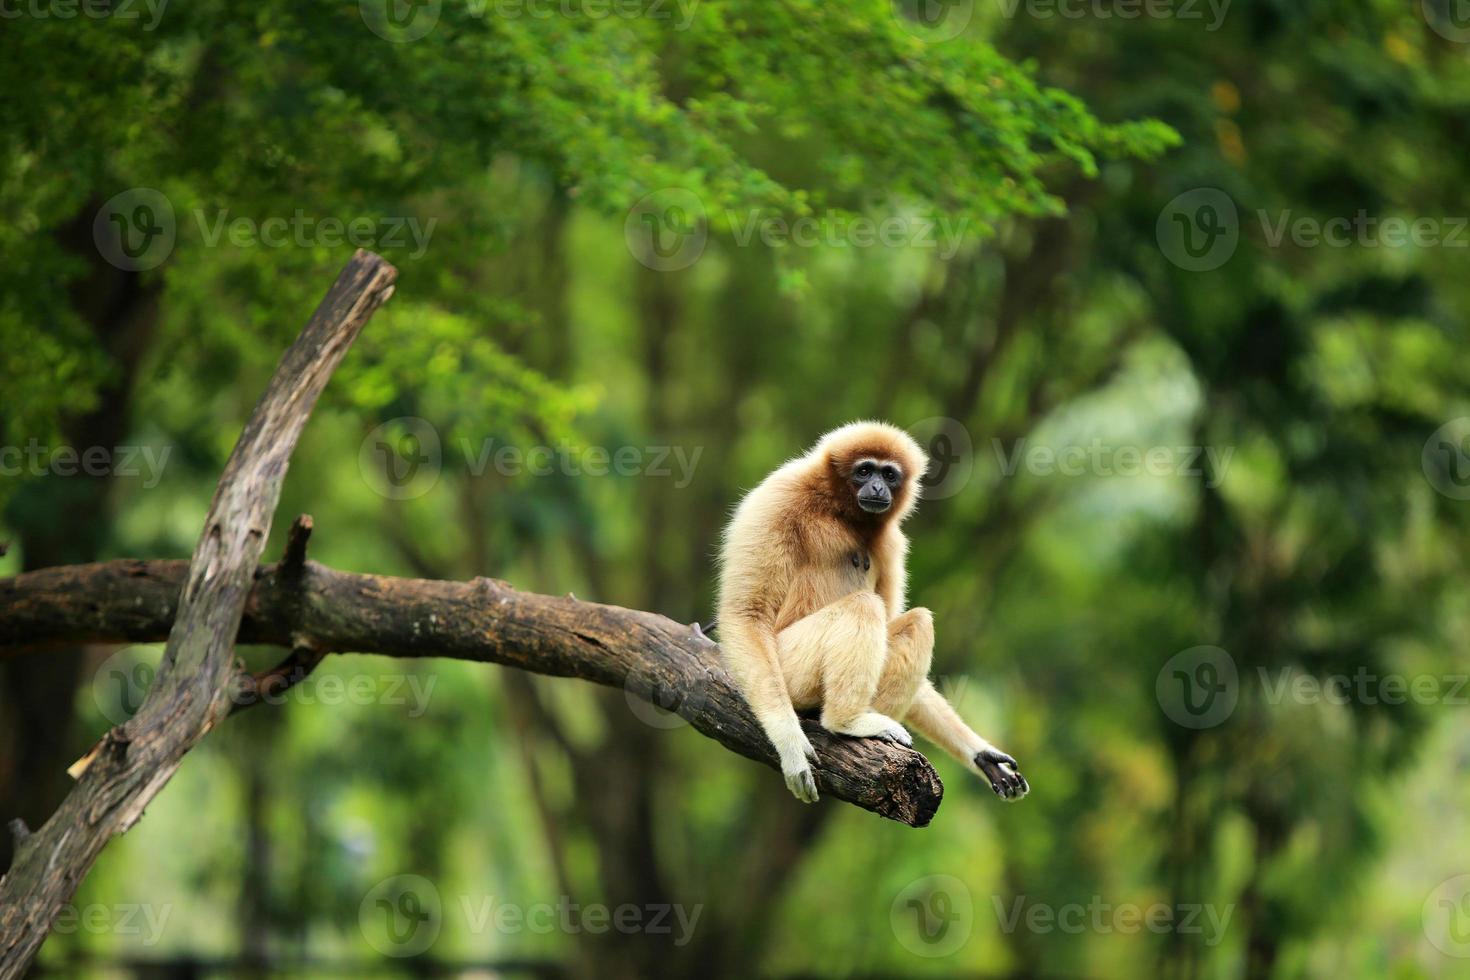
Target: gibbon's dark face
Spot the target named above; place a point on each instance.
(875, 481)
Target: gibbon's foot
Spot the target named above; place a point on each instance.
(898, 735)
(871, 724)
(1004, 775)
(796, 766)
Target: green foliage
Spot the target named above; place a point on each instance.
(1313, 544)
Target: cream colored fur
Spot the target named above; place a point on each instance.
(804, 625)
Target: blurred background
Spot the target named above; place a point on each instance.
(1174, 291)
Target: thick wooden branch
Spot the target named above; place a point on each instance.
(192, 691)
(484, 620)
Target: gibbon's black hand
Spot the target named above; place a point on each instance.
(1004, 775)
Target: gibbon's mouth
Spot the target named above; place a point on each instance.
(874, 505)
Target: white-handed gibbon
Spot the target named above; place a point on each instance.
(811, 608)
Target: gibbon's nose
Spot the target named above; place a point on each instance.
(874, 497)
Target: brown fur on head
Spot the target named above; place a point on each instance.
(841, 451)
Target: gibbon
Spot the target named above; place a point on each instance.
(811, 607)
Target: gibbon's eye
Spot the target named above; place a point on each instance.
(863, 471)
(891, 475)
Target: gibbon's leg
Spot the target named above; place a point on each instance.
(910, 650)
(836, 656)
(937, 721)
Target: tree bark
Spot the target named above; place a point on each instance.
(486, 620)
(190, 695)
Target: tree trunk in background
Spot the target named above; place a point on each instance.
(65, 520)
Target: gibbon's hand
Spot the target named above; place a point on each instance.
(796, 766)
(1004, 775)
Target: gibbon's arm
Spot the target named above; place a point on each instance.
(892, 582)
(750, 655)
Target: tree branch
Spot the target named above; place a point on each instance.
(485, 620)
(191, 693)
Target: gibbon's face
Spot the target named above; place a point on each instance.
(874, 483)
